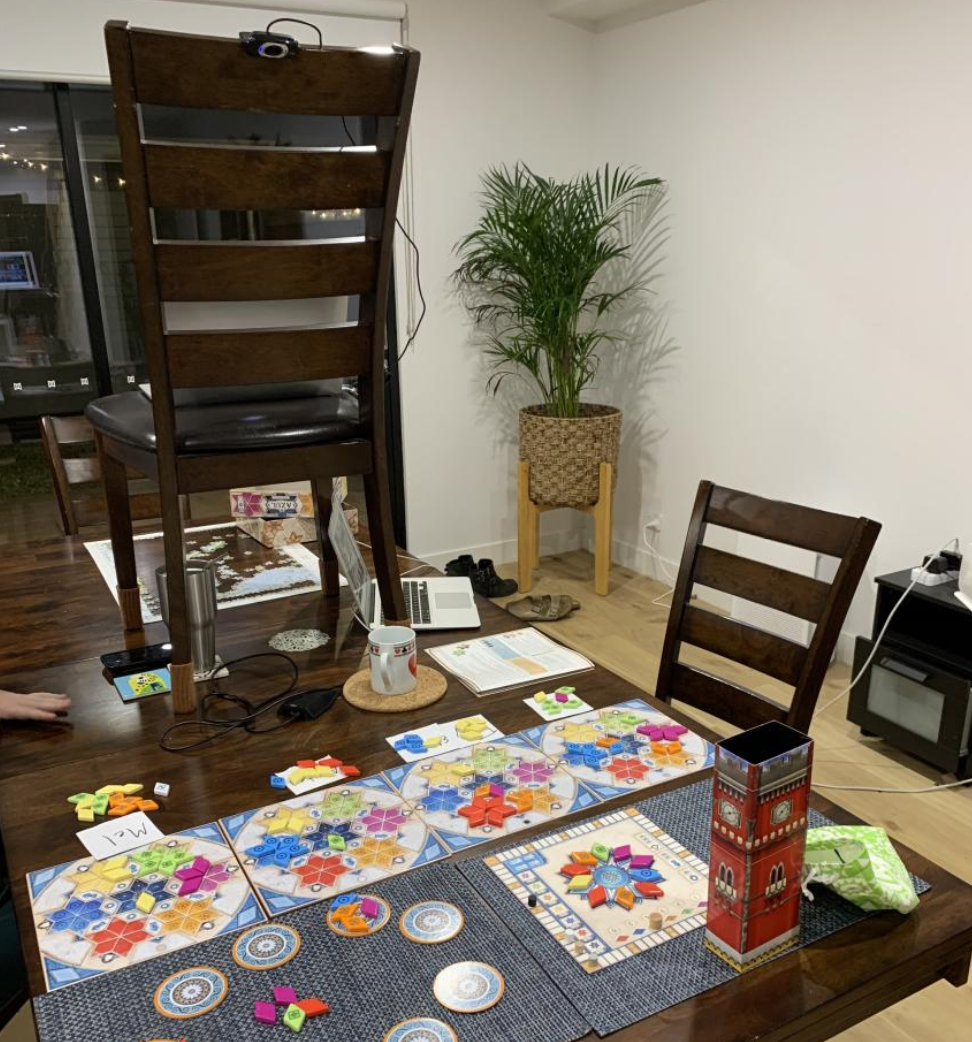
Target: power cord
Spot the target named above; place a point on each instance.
(252, 711)
(662, 564)
(298, 21)
(418, 263)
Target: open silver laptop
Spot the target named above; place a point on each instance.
(432, 603)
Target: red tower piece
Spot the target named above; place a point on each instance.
(759, 822)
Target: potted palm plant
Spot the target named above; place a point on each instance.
(533, 275)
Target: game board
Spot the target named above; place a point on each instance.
(326, 842)
(611, 751)
(609, 888)
(85, 911)
(246, 571)
(489, 790)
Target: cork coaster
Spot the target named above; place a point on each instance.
(430, 688)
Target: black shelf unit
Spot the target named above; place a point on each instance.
(917, 691)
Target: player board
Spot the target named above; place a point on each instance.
(330, 841)
(622, 748)
(489, 790)
(93, 917)
(608, 888)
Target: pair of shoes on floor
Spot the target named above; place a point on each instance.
(482, 575)
(550, 607)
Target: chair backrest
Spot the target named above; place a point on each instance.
(77, 477)
(150, 69)
(850, 539)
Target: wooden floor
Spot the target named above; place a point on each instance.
(624, 632)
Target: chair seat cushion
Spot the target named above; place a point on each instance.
(231, 426)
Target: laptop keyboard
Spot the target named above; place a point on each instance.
(416, 601)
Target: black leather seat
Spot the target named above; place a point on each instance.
(231, 426)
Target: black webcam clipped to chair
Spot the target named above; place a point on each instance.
(261, 44)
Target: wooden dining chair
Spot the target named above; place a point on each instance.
(196, 447)
(76, 474)
(850, 539)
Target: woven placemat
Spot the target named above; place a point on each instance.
(370, 983)
(650, 982)
(430, 688)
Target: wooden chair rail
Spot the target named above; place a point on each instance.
(350, 82)
(202, 177)
(272, 356)
(265, 270)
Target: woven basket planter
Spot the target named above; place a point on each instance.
(565, 454)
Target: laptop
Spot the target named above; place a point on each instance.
(432, 603)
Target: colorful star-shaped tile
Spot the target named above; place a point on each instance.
(104, 876)
(384, 819)
(126, 898)
(441, 772)
(341, 804)
(119, 937)
(490, 757)
(487, 810)
(283, 819)
(616, 721)
(161, 858)
(627, 768)
(319, 837)
(532, 772)
(320, 870)
(543, 799)
(580, 733)
(277, 850)
(76, 916)
(187, 916)
(442, 798)
(378, 852)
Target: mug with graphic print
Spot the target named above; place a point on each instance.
(394, 666)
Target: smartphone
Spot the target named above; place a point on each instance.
(137, 660)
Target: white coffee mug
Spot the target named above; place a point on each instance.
(394, 666)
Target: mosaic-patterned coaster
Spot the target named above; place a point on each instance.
(469, 987)
(421, 1029)
(266, 947)
(431, 922)
(191, 992)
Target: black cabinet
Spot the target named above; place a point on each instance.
(917, 691)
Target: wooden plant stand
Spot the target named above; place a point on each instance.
(528, 529)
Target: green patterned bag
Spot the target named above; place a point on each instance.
(859, 863)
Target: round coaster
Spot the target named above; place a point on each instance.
(298, 640)
(191, 992)
(431, 922)
(469, 987)
(430, 688)
(421, 1029)
(266, 947)
(344, 917)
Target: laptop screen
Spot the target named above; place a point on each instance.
(350, 561)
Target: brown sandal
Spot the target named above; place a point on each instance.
(548, 608)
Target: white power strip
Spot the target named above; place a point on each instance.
(923, 578)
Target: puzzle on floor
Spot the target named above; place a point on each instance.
(306, 775)
(320, 844)
(489, 790)
(439, 738)
(246, 571)
(555, 705)
(608, 888)
(622, 748)
(95, 916)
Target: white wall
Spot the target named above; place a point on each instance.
(818, 160)
(498, 82)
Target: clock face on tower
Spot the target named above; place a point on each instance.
(729, 813)
(781, 812)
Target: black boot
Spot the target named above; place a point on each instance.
(463, 565)
(487, 583)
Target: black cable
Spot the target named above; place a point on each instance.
(298, 21)
(418, 265)
(252, 711)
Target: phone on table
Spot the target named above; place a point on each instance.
(137, 660)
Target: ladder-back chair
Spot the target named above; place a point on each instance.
(225, 443)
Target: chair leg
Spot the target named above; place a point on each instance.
(602, 531)
(330, 581)
(378, 503)
(536, 536)
(525, 527)
(180, 668)
(115, 481)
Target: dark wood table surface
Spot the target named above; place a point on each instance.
(57, 617)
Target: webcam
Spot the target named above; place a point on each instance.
(269, 45)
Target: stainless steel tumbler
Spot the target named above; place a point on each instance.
(200, 609)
